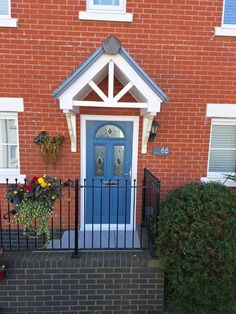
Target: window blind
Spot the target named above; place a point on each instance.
(106, 2)
(230, 12)
(4, 7)
(223, 149)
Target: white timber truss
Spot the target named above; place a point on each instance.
(110, 66)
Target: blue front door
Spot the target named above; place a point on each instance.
(108, 172)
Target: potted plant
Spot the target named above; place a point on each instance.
(34, 204)
(49, 147)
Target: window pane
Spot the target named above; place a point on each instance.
(99, 160)
(223, 136)
(4, 8)
(222, 161)
(8, 131)
(118, 160)
(8, 143)
(230, 12)
(223, 149)
(110, 131)
(106, 2)
(8, 156)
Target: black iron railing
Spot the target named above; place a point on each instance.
(151, 206)
(96, 215)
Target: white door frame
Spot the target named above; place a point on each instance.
(135, 120)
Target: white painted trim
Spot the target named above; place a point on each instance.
(221, 110)
(12, 178)
(98, 91)
(135, 120)
(106, 8)
(147, 124)
(11, 104)
(112, 17)
(225, 31)
(124, 90)
(12, 174)
(71, 124)
(109, 104)
(111, 69)
(228, 183)
(218, 176)
(8, 22)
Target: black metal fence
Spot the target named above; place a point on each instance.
(96, 215)
(151, 206)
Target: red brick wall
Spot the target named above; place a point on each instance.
(173, 41)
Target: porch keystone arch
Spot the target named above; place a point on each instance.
(110, 60)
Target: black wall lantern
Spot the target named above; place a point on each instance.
(154, 129)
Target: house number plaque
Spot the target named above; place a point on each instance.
(161, 150)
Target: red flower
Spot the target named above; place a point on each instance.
(34, 179)
(27, 187)
(62, 138)
(54, 138)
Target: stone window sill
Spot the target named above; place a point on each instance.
(98, 16)
(12, 178)
(229, 183)
(221, 31)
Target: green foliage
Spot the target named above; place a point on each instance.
(196, 243)
(49, 147)
(34, 217)
(34, 204)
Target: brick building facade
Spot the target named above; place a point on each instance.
(183, 53)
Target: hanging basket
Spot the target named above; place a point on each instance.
(50, 152)
(49, 147)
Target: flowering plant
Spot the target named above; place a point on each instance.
(49, 146)
(33, 202)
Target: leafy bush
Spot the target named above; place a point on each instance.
(196, 243)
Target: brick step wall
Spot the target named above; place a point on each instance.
(97, 282)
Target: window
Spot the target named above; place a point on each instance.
(106, 10)
(222, 153)
(9, 142)
(228, 25)
(229, 13)
(5, 14)
(222, 148)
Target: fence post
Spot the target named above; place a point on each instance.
(76, 249)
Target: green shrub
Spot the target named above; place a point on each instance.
(196, 243)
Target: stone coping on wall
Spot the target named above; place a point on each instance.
(86, 259)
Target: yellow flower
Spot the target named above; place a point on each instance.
(40, 180)
(15, 192)
(53, 197)
(49, 184)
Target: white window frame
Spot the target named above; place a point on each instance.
(9, 108)
(109, 8)
(106, 12)
(6, 20)
(220, 113)
(11, 116)
(225, 29)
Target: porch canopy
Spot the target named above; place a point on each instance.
(111, 60)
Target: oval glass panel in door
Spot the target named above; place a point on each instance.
(118, 161)
(99, 160)
(110, 130)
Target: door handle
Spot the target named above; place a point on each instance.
(129, 173)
